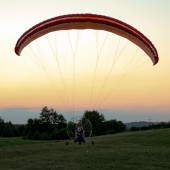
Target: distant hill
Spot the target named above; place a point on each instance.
(139, 124)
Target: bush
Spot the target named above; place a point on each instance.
(8, 130)
(44, 136)
(54, 134)
(36, 135)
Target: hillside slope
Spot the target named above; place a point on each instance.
(134, 150)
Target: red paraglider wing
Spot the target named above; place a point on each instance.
(88, 21)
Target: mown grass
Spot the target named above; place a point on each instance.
(147, 150)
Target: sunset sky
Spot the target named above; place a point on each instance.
(132, 90)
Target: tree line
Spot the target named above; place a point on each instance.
(7, 129)
(53, 126)
(160, 125)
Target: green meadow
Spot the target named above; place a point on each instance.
(143, 150)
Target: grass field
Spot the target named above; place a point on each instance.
(147, 150)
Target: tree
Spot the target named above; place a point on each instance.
(47, 126)
(2, 124)
(8, 130)
(51, 120)
(114, 126)
(97, 121)
(50, 116)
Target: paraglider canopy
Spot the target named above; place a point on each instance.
(88, 21)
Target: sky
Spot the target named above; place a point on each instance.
(134, 90)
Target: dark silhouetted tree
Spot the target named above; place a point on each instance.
(114, 126)
(8, 130)
(2, 124)
(48, 126)
(97, 121)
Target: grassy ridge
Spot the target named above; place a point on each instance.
(134, 150)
